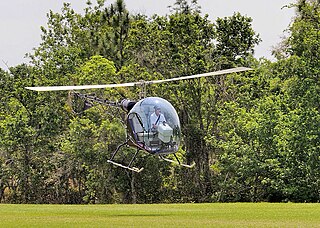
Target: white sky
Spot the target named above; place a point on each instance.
(20, 21)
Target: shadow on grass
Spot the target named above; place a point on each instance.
(140, 215)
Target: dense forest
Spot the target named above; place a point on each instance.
(254, 136)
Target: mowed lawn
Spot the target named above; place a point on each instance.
(162, 215)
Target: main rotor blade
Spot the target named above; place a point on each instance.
(58, 88)
(215, 73)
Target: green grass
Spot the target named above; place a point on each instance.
(162, 215)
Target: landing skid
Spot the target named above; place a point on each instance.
(129, 167)
(138, 170)
(177, 161)
(126, 167)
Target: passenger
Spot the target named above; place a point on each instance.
(156, 118)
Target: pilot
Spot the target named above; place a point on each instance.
(156, 118)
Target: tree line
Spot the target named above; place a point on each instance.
(254, 136)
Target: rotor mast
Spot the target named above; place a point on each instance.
(143, 89)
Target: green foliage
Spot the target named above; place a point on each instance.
(96, 71)
(235, 39)
(254, 136)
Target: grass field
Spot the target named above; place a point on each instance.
(161, 215)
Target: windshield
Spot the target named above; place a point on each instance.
(155, 124)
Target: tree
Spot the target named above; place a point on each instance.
(64, 153)
(269, 145)
(183, 44)
(28, 131)
(235, 38)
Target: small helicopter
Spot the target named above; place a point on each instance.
(152, 123)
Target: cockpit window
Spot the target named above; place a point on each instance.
(154, 123)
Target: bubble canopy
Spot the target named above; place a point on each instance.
(153, 124)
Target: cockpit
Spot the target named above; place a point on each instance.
(153, 124)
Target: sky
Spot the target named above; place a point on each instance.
(20, 21)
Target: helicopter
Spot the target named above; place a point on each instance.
(152, 123)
